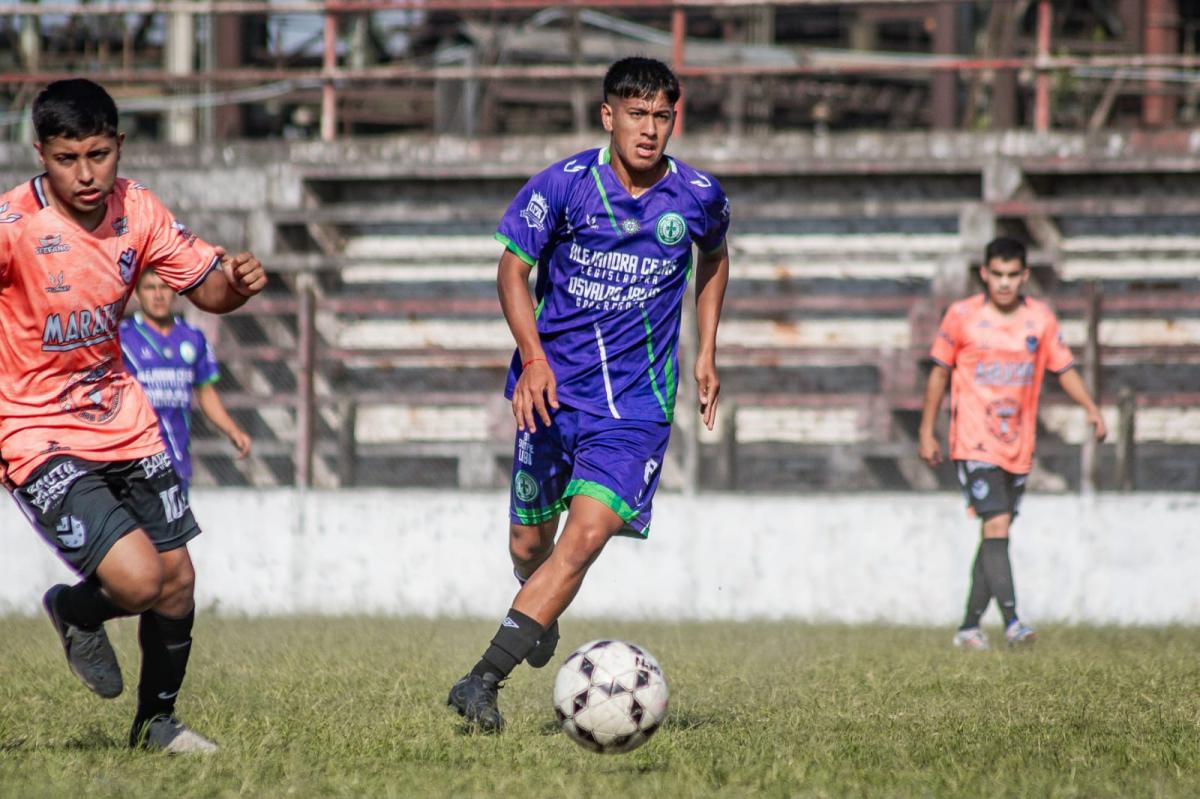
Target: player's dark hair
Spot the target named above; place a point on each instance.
(74, 109)
(642, 78)
(1006, 249)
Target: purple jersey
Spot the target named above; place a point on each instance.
(611, 275)
(168, 367)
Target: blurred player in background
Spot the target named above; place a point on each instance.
(994, 349)
(170, 358)
(593, 380)
(79, 443)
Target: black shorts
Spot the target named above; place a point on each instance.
(84, 507)
(990, 490)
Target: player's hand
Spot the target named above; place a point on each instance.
(536, 393)
(240, 440)
(1096, 419)
(708, 387)
(244, 272)
(929, 449)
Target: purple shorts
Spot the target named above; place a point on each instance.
(614, 461)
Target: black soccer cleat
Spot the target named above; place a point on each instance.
(543, 651)
(474, 698)
(89, 654)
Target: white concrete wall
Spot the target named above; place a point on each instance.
(853, 558)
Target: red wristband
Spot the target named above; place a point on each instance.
(525, 365)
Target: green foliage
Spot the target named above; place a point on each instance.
(353, 707)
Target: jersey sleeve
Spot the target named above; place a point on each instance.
(1058, 355)
(716, 217)
(949, 339)
(205, 370)
(179, 257)
(8, 219)
(529, 223)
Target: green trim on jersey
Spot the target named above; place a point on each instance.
(512, 247)
(601, 493)
(539, 515)
(662, 403)
(209, 381)
(604, 197)
(605, 155)
(537, 312)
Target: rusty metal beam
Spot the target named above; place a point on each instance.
(353, 6)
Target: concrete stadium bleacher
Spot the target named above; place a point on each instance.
(846, 250)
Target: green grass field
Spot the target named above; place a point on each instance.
(353, 707)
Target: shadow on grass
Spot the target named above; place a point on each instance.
(91, 741)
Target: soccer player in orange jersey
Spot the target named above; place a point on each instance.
(994, 349)
(79, 443)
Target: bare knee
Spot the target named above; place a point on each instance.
(179, 581)
(530, 545)
(581, 543)
(997, 526)
(137, 588)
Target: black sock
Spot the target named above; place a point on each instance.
(85, 606)
(517, 635)
(996, 565)
(979, 596)
(166, 644)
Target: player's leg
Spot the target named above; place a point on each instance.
(529, 545)
(165, 635)
(154, 494)
(541, 469)
(986, 490)
(69, 502)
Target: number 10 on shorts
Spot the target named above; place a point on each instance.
(174, 503)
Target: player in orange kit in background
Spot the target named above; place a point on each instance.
(79, 443)
(994, 349)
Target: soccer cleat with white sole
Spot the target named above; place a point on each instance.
(972, 638)
(168, 734)
(1019, 634)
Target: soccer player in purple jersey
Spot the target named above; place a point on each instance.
(170, 358)
(593, 381)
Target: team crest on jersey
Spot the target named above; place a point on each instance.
(127, 261)
(670, 229)
(71, 532)
(1004, 420)
(48, 245)
(58, 283)
(120, 225)
(524, 486)
(630, 226)
(187, 351)
(1031, 343)
(537, 210)
(7, 218)
(93, 395)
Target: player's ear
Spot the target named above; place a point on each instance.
(606, 116)
(120, 144)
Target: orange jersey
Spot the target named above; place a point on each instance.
(63, 385)
(998, 361)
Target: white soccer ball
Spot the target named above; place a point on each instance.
(610, 696)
